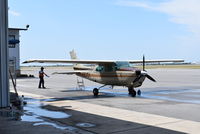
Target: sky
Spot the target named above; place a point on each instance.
(108, 29)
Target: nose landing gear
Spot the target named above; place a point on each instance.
(132, 92)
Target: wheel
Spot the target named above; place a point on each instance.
(132, 92)
(139, 92)
(95, 91)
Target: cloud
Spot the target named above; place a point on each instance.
(134, 4)
(14, 13)
(185, 12)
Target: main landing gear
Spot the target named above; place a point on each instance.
(132, 92)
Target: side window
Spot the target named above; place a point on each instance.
(99, 68)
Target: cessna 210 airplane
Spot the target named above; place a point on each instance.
(108, 72)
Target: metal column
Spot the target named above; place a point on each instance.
(4, 80)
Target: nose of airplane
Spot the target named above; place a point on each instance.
(140, 73)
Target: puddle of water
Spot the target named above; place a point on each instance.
(6, 114)
(85, 125)
(11, 113)
(170, 99)
(48, 100)
(56, 126)
(31, 118)
(33, 112)
(113, 92)
(34, 108)
(39, 116)
(175, 91)
(159, 94)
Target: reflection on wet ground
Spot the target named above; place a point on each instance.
(85, 125)
(56, 125)
(182, 95)
(176, 95)
(34, 108)
(34, 113)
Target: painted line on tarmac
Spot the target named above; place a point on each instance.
(170, 123)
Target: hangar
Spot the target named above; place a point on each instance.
(10, 35)
(14, 49)
(4, 82)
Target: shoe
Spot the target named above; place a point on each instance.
(43, 87)
(39, 87)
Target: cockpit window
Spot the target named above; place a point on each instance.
(100, 68)
(121, 64)
(112, 67)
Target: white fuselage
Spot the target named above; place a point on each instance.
(115, 78)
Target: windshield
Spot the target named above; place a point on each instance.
(121, 64)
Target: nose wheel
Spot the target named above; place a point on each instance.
(132, 92)
(139, 92)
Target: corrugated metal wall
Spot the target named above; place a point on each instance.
(4, 80)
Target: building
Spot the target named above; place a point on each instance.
(14, 48)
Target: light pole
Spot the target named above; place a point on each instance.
(4, 79)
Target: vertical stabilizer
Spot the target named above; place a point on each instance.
(78, 66)
(73, 55)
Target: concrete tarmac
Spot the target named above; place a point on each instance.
(171, 105)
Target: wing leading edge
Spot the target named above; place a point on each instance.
(97, 61)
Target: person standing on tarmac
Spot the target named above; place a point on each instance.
(41, 76)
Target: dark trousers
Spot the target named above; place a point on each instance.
(41, 82)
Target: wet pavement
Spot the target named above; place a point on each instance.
(62, 107)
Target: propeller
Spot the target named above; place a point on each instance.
(143, 63)
(150, 78)
(143, 73)
(137, 78)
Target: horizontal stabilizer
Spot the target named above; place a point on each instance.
(71, 72)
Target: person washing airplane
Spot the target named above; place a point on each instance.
(41, 76)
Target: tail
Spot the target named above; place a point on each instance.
(73, 55)
(78, 66)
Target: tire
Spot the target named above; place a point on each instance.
(131, 91)
(95, 92)
(139, 92)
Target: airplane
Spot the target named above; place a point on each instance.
(108, 72)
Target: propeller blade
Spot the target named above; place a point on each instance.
(137, 79)
(143, 63)
(150, 78)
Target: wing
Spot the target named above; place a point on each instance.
(69, 61)
(97, 61)
(152, 61)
